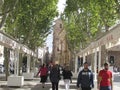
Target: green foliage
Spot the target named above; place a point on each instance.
(85, 18)
(30, 20)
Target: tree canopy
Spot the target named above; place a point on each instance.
(85, 19)
(28, 21)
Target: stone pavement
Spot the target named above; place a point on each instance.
(35, 85)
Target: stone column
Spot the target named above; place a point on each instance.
(84, 59)
(92, 61)
(16, 66)
(20, 63)
(95, 65)
(99, 60)
(76, 64)
(28, 63)
(34, 60)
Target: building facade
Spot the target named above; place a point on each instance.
(61, 53)
(105, 49)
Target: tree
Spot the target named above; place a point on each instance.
(85, 19)
(31, 20)
(6, 6)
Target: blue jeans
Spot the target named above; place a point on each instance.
(105, 88)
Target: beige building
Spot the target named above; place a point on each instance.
(61, 52)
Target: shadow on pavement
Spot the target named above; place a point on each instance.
(35, 85)
(49, 87)
(39, 87)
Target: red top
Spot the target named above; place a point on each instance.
(105, 75)
(43, 71)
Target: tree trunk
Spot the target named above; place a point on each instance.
(72, 62)
(32, 64)
(6, 61)
(3, 20)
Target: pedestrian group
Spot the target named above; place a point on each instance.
(85, 80)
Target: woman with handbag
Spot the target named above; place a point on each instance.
(43, 72)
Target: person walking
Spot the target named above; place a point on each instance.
(105, 78)
(43, 72)
(54, 77)
(85, 78)
(67, 74)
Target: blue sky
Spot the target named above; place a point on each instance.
(61, 6)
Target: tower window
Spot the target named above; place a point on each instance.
(60, 25)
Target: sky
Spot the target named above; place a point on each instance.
(61, 6)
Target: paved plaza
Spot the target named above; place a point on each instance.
(35, 85)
